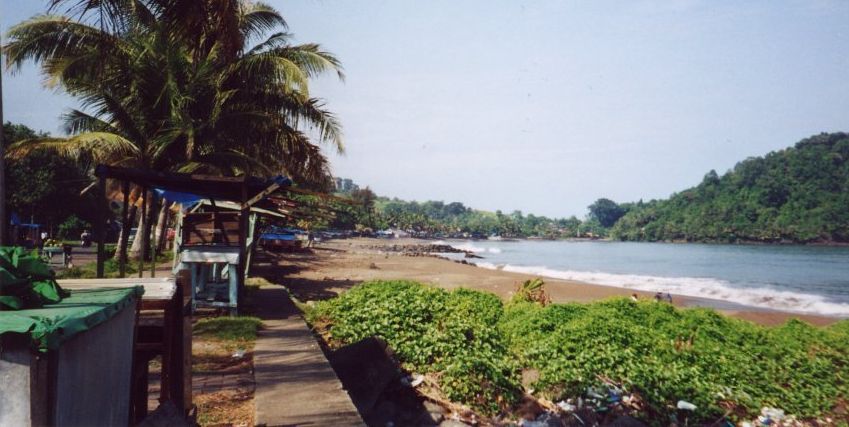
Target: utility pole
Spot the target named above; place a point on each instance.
(4, 220)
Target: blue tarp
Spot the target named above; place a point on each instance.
(187, 199)
(175, 196)
(277, 236)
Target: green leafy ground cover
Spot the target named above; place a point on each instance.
(477, 347)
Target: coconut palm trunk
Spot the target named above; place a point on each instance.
(161, 227)
(124, 234)
(135, 248)
(148, 226)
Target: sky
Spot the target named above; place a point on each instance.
(546, 106)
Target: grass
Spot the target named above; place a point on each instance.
(478, 348)
(110, 267)
(234, 329)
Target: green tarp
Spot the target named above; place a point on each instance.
(52, 324)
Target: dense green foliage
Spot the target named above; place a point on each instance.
(606, 212)
(432, 330)
(45, 187)
(799, 194)
(478, 347)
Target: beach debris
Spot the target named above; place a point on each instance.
(238, 354)
(417, 380)
(567, 406)
(579, 419)
(413, 380)
(373, 266)
(450, 422)
(545, 419)
(686, 406)
(770, 416)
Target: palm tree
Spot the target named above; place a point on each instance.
(174, 85)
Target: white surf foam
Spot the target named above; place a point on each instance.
(468, 246)
(693, 287)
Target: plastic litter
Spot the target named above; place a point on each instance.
(417, 380)
(593, 393)
(566, 406)
(773, 413)
(686, 406)
(239, 354)
(545, 419)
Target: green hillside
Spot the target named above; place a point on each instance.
(799, 194)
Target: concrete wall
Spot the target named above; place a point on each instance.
(15, 359)
(94, 373)
(91, 378)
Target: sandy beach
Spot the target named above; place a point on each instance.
(337, 265)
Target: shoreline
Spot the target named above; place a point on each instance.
(337, 265)
(834, 244)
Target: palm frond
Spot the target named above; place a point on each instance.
(50, 38)
(314, 61)
(259, 18)
(101, 146)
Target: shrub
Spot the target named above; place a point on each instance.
(476, 346)
(431, 330)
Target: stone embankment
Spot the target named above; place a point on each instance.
(427, 250)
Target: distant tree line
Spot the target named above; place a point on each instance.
(437, 218)
(797, 195)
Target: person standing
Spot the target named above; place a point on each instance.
(41, 239)
(85, 239)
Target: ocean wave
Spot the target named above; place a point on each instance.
(697, 287)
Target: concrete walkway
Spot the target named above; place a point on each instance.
(295, 384)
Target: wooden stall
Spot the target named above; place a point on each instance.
(245, 191)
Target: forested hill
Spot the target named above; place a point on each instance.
(799, 194)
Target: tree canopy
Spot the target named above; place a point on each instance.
(799, 194)
(45, 187)
(191, 86)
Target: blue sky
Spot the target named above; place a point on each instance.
(545, 106)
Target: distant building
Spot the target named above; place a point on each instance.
(345, 185)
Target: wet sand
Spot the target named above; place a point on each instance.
(337, 265)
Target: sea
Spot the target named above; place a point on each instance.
(801, 279)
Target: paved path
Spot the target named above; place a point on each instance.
(295, 384)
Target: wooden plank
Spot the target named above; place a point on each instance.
(181, 376)
(154, 289)
(101, 227)
(211, 228)
(141, 230)
(125, 230)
